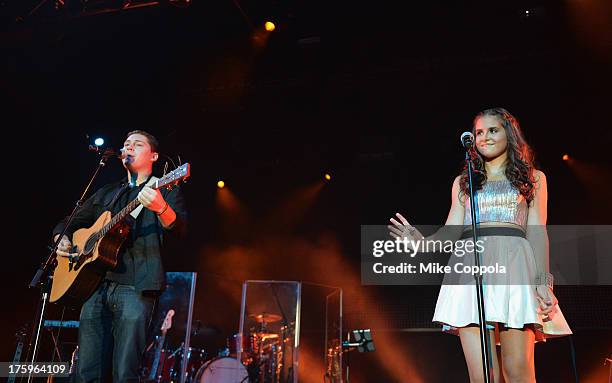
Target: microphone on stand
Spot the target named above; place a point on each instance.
(108, 152)
(467, 140)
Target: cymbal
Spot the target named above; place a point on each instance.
(265, 317)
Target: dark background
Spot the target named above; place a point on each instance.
(376, 94)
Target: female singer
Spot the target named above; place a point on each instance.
(520, 306)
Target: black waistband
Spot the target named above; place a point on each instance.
(493, 231)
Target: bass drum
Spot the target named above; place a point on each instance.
(222, 370)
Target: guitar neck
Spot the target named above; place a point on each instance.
(155, 366)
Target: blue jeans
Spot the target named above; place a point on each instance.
(112, 333)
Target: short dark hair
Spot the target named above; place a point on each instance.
(151, 138)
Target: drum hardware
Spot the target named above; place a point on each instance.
(261, 359)
(266, 348)
(333, 370)
(266, 318)
(196, 357)
(171, 364)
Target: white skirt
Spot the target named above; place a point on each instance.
(510, 298)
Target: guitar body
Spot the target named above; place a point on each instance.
(73, 283)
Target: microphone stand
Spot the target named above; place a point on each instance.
(485, 346)
(44, 274)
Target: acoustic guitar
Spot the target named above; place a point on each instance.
(76, 277)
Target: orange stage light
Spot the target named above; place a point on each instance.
(220, 184)
(565, 157)
(269, 26)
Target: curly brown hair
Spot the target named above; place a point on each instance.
(520, 169)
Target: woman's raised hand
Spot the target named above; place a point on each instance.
(402, 229)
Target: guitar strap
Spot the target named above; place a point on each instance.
(137, 211)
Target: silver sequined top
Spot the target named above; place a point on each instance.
(498, 201)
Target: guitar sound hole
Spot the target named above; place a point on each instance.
(90, 244)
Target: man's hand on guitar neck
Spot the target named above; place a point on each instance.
(154, 201)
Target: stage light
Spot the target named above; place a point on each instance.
(269, 26)
(565, 157)
(327, 176)
(99, 141)
(220, 184)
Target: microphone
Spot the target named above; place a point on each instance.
(108, 152)
(467, 140)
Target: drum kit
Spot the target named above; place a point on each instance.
(255, 357)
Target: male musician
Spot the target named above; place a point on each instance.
(114, 320)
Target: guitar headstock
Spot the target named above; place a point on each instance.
(167, 321)
(174, 177)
